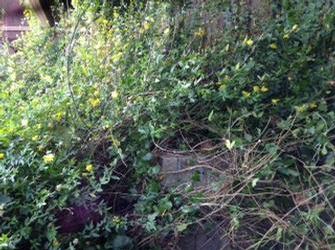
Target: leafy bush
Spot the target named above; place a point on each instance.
(84, 104)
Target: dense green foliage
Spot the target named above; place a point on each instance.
(84, 104)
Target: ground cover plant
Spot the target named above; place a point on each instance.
(85, 104)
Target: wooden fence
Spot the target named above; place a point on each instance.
(214, 16)
(12, 22)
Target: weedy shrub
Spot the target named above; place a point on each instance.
(84, 104)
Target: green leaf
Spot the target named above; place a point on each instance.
(122, 242)
(154, 187)
(324, 150)
(154, 171)
(181, 227)
(148, 157)
(196, 176)
(279, 233)
(248, 137)
(164, 205)
(272, 148)
(289, 171)
(4, 199)
(4, 241)
(210, 117)
(150, 224)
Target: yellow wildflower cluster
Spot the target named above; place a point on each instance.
(146, 25)
(103, 21)
(200, 33)
(275, 101)
(248, 42)
(95, 102)
(35, 138)
(295, 28)
(246, 94)
(49, 158)
(59, 116)
(116, 14)
(2, 156)
(89, 168)
(117, 57)
(262, 89)
(313, 105)
(273, 46)
(305, 107)
(256, 89)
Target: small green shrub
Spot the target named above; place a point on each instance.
(83, 105)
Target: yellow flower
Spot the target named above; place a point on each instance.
(301, 109)
(59, 116)
(89, 168)
(117, 57)
(246, 94)
(166, 31)
(275, 101)
(286, 36)
(75, 3)
(102, 21)
(238, 66)
(48, 158)
(249, 42)
(273, 46)
(295, 28)
(256, 89)
(264, 89)
(2, 156)
(95, 102)
(313, 105)
(35, 138)
(115, 94)
(223, 87)
(146, 26)
(200, 33)
(116, 14)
